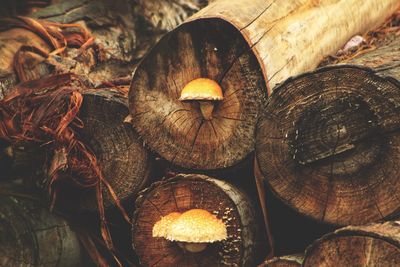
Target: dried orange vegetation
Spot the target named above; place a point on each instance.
(372, 40)
(58, 36)
(44, 112)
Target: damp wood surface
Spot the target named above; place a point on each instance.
(185, 192)
(369, 245)
(247, 48)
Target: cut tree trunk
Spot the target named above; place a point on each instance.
(31, 236)
(371, 245)
(122, 157)
(284, 261)
(328, 142)
(246, 48)
(193, 191)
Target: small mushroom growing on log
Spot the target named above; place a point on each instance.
(193, 211)
(206, 92)
(192, 230)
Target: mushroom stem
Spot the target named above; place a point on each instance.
(193, 247)
(206, 108)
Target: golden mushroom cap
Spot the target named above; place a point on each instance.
(201, 89)
(160, 228)
(197, 226)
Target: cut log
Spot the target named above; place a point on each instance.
(328, 141)
(31, 236)
(385, 60)
(246, 48)
(371, 245)
(193, 191)
(123, 159)
(284, 261)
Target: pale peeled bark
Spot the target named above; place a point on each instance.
(293, 36)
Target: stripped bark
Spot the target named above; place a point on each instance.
(191, 191)
(246, 47)
(369, 245)
(31, 236)
(328, 140)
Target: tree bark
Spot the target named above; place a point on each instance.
(190, 191)
(31, 236)
(328, 141)
(245, 47)
(123, 159)
(284, 261)
(370, 245)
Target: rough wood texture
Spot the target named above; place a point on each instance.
(246, 47)
(370, 245)
(328, 141)
(31, 236)
(385, 60)
(328, 145)
(190, 191)
(284, 261)
(176, 130)
(122, 157)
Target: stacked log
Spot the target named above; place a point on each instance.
(369, 245)
(124, 160)
(246, 48)
(284, 261)
(327, 142)
(32, 236)
(194, 191)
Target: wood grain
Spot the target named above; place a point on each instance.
(185, 192)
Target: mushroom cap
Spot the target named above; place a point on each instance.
(201, 89)
(197, 226)
(160, 228)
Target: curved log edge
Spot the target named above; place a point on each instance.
(284, 261)
(123, 159)
(336, 126)
(176, 130)
(369, 245)
(246, 48)
(188, 191)
(31, 236)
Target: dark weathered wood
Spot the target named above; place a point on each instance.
(284, 261)
(245, 47)
(370, 245)
(328, 141)
(328, 145)
(176, 130)
(31, 236)
(122, 157)
(185, 192)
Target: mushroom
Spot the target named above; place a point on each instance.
(196, 228)
(206, 92)
(160, 228)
